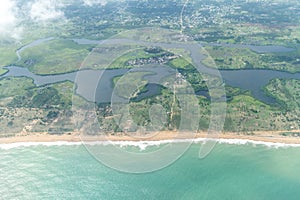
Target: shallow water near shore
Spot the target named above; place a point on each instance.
(231, 171)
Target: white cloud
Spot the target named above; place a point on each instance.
(43, 10)
(8, 20)
(95, 2)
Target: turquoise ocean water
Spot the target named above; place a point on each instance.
(229, 172)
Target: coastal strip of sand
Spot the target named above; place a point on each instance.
(261, 136)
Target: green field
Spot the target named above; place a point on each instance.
(42, 108)
(8, 55)
(287, 93)
(55, 57)
(10, 87)
(243, 58)
(3, 71)
(231, 22)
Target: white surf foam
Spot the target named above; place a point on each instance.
(142, 145)
(30, 144)
(250, 142)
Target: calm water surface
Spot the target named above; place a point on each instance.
(251, 80)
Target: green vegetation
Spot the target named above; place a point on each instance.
(169, 117)
(287, 93)
(3, 71)
(48, 108)
(55, 57)
(10, 87)
(130, 85)
(243, 58)
(8, 55)
(108, 57)
(180, 63)
(58, 96)
(291, 134)
(244, 113)
(140, 57)
(189, 72)
(25, 107)
(122, 62)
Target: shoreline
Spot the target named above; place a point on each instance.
(170, 136)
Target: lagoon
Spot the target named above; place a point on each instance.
(252, 80)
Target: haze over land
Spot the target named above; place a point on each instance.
(92, 88)
(236, 35)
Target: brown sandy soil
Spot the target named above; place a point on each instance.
(264, 136)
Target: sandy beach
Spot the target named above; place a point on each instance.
(262, 136)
